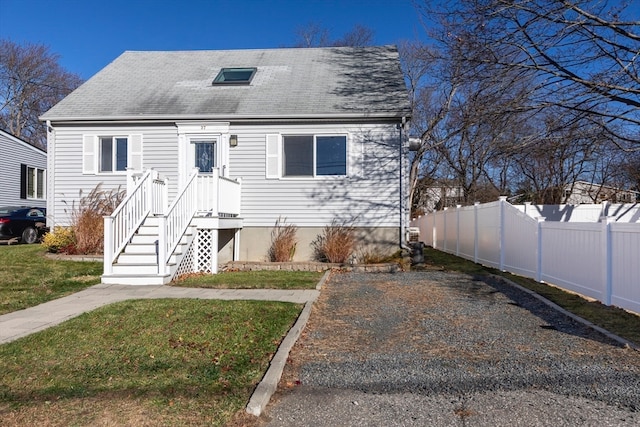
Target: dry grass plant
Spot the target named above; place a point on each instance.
(283, 241)
(335, 244)
(87, 218)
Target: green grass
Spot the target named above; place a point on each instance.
(274, 279)
(613, 319)
(169, 362)
(27, 278)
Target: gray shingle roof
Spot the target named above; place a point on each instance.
(289, 83)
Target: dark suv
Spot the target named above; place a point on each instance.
(23, 223)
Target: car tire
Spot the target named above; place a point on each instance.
(29, 235)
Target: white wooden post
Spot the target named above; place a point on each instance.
(162, 245)
(236, 245)
(214, 251)
(165, 196)
(108, 245)
(540, 219)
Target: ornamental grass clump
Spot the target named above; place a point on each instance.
(283, 241)
(335, 244)
(88, 221)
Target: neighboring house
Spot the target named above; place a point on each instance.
(23, 173)
(436, 198)
(313, 136)
(585, 192)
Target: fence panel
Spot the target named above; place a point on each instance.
(466, 245)
(489, 234)
(573, 257)
(597, 259)
(451, 230)
(625, 273)
(521, 242)
(439, 230)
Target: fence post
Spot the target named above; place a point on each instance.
(539, 249)
(434, 230)
(475, 231)
(458, 229)
(444, 229)
(502, 200)
(607, 270)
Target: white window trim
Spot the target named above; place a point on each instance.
(314, 177)
(35, 170)
(91, 152)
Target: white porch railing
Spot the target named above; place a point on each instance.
(148, 195)
(145, 194)
(175, 221)
(218, 194)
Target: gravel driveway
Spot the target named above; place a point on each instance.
(445, 349)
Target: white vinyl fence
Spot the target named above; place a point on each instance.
(600, 260)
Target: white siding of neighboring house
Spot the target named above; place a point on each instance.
(14, 153)
(367, 197)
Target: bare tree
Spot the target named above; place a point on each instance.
(583, 53)
(315, 35)
(31, 82)
(359, 36)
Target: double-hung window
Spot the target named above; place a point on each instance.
(32, 182)
(314, 155)
(113, 153)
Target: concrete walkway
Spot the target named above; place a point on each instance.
(24, 322)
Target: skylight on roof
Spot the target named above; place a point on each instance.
(235, 76)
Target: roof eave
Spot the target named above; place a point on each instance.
(367, 116)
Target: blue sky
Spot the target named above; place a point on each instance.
(89, 34)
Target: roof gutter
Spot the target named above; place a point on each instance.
(366, 116)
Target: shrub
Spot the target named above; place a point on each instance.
(88, 221)
(335, 244)
(60, 240)
(283, 241)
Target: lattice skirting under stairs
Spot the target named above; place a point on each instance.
(199, 255)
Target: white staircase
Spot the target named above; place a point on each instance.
(145, 238)
(138, 262)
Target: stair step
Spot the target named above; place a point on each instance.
(138, 279)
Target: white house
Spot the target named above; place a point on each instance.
(581, 192)
(23, 173)
(310, 135)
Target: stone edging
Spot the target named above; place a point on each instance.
(269, 383)
(311, 266)
(65, 257)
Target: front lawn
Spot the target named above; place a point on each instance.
(274, 279)
(27, 278)
(143, 362)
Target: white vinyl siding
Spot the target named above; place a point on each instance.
(16, 153)
(71, 181)
(367, 196)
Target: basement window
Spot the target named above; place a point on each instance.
(234, 76)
